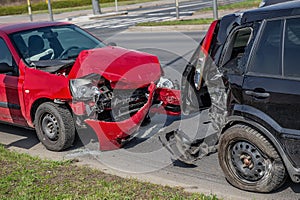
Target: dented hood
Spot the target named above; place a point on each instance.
(123, 68)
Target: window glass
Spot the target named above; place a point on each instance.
(267, 56)
(53, 42)
(6, 56)
(236, 50)
(292, 48)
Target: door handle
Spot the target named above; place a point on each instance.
(259, 95)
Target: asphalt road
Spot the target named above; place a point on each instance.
(143, 157)
(113, 25)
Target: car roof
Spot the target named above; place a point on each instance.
(291, 8)
(12, 28)
(272, 2)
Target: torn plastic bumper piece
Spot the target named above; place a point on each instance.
(178, 144)
(170, 99)
(111, 135)
(183, 147)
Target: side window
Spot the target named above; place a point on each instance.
(236, 49)
(6, 56)
(292, 48)
(266, 58)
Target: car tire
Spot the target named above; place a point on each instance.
(54, 126)
(249, 161)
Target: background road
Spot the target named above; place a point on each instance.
(137, 15)
(143, 157)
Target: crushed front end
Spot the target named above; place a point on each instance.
(113, 100)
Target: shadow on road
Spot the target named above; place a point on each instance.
(288, 184)
(21, 137)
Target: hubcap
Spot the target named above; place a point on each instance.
(248, 161)
(50, 126)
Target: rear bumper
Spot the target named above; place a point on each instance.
(111, 135)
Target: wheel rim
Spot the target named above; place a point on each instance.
(50, 126)
(247, 161)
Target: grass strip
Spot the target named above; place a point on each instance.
(25, 177)
(239, 5)
(89, 7)
(59, 6)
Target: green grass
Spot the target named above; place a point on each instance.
(239, 5)
(89, 7)
(25, 177)
(178, 22)
(62, 6)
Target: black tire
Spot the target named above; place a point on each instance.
(54, 126)
(249, 161)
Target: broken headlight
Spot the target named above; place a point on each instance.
(85, 88)
(165, 83)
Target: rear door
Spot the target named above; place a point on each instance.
(272, 84)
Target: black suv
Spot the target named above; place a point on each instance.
(247, 72)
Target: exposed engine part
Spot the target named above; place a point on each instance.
(125, 103)
(103, 99)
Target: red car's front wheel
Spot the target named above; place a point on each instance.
(54, 126)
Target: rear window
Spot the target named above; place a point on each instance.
(236, 48)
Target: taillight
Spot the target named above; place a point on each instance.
(204, 53)
(208, 38)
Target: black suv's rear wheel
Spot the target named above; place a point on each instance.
(249, 161)
(54, 126)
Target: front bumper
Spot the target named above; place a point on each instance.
(111, 135)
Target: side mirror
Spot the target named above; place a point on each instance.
(113, 44)
(5, 68)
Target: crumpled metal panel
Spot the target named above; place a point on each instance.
(188, 149)
(125, 69)
(111, 135)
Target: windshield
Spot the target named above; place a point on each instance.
(53, 43)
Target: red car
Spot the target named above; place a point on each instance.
(57, 78)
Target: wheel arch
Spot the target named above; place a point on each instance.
(248, 118)
(40, 101)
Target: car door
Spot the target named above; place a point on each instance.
(10, 85)
(272, 84)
